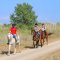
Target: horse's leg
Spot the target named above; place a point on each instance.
(34, 44)
(19, 46)
(14, 48)
(14, 45)
(41, 42)
(9, 48)
(37, 43)
(43, 38)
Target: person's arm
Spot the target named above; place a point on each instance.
(10, 30)
(45, 27)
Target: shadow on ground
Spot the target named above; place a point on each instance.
(5, 52)
(30, 47)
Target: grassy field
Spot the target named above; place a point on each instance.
(26, 37)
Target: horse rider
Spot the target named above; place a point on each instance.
(44, 28)
(13, 31)
(36, 29)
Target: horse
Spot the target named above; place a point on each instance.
(43, 36)
(36, 38)
(13, 42)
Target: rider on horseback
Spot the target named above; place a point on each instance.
(36, 29)
(44, 28)
(13, 30)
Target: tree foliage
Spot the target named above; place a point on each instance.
(23, 14)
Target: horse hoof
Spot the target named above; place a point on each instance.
(36, 46)
(14, 53)
(8, 54)
(41, 45)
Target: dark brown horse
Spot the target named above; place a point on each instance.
(36, 38)
(43, 37)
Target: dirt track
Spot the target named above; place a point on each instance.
(32, 54)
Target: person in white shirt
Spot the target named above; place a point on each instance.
(43, 28)
(36, 29)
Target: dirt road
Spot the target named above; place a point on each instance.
(32, 54)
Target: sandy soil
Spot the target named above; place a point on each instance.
(32, 54)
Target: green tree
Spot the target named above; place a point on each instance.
(23, 15)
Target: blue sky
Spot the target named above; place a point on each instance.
(46, 10)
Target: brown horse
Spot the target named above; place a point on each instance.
(36, 39)
(43, 37)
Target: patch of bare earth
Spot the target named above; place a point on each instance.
(52, 56)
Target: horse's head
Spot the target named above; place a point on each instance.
(40, 30)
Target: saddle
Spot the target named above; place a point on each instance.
(36, 35)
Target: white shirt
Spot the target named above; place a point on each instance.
(43, 28)
(36, 28)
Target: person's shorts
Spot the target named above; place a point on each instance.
(14, 36)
